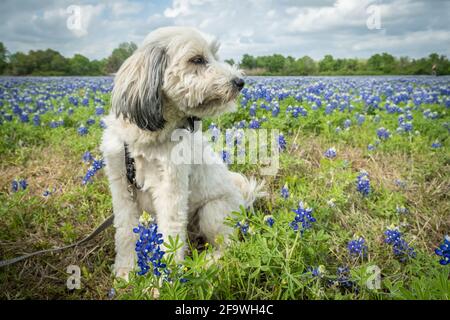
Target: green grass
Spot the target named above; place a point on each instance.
(267, 263)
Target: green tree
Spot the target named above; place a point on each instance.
(119, 55)
(307, 66)
(3, 58)
(79, 65)
(327, 63)
(248, 62)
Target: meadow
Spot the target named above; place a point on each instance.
(359, 208)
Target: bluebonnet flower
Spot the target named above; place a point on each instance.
(23, 184)
(363, 183)
(99, 110)
(226, 156)
(281, 142)
(70, 111)
(338, 130)
(254, 124)
(36, 120)
(46, 193)
(96, 166)
(269, 220)
(285, 191)
(275, 111)
(53, 124)
(87, 157)
(383, 133)
(330, 153)
(357, 247)
(303, 216)
(102, 124)
(400, 247)
(148, 246)
(24, 117)
(436, 145)
(370, 147)
(243, 227)
(82, 130)
(443, 251)
(90, 121)
(347, 123)
(360, 119)
(316, 272)
(8, 117)
(407, 126)
(343, 279)
(14, 186)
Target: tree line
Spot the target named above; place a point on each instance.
(52, 63)
(377, 64)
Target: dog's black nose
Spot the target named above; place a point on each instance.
(238, 83)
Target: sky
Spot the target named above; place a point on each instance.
(343, 28)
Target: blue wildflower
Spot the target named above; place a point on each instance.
(99, 110)
(303, 216)
(383, 133)
(285, 191)
(243, 227)
(443, 251)
(96, 166)
(347, 123)
(23, 184)
(269, 220)
(87, 157)
(400, 247)
(357, 247)
(281, 142)
(436, 145)
(363, 183)
(24, 117)
(90, 121)
(36, 120)
(148, 247)
(330, 153)
(82, 130)
(226, 156)
(14, 186)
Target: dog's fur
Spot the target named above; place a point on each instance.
(155, 91)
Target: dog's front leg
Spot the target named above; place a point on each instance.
(126, 217)
(171, 203)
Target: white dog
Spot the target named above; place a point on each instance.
(174, 76)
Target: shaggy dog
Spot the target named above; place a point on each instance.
(172, 77)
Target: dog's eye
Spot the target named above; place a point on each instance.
(198, 60)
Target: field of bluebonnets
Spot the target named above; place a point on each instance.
(359, 208)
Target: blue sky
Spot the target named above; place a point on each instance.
(412, 28)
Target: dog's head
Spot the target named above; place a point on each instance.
(174, 68)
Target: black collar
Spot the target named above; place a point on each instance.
(130, 164)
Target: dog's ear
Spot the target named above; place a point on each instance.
(137, 93)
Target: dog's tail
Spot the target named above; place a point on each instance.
(250, 188)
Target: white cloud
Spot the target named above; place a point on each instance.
(297, 28)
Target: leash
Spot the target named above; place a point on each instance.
(105, 224)
(132, 187)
